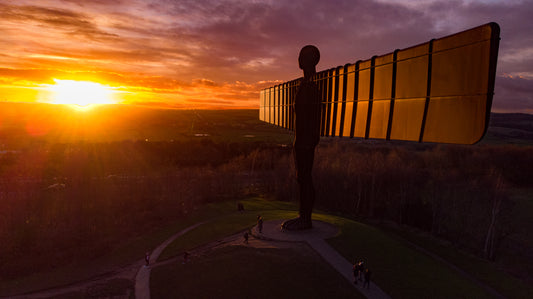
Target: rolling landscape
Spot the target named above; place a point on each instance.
(143, 152)
(86, 193)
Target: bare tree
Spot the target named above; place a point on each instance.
(497, 199)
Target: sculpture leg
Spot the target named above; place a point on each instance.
(303, 158)
(307, 198)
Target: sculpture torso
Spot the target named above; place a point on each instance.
(307, 114)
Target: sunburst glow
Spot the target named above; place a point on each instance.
(81, 93)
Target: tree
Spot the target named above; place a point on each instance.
(498, 197)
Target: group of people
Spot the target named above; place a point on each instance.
(361, 273)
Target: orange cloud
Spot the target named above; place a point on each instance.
(221, 53)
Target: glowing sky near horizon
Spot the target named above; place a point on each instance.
(219, 54)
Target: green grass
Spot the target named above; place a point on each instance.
(118, 287)
(125, 254)
(398, 268)
(243, 272)
(482, 270)
(226, 225)
(133, 250)
(404, 272)
(401, 270)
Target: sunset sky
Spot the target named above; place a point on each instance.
(219, 54)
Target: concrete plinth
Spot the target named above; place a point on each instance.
(272, 231)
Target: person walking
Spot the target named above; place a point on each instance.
(147, 258)
(245, 237)
(361, 270)
(355, 270)
(368, 273)
(260, 224)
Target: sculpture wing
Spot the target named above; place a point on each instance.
(438, 91)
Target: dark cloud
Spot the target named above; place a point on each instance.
(72, 23)
(263, 40)
(97, 2)
(515, 23)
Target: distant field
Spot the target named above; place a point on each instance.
(24, 123)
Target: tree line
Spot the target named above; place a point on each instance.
(67, 202)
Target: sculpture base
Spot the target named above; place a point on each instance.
(272, 231)
(297, 224)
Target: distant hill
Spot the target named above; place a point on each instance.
(519, 121)
(510, 128)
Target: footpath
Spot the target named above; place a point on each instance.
(272, 232)
(142, 280)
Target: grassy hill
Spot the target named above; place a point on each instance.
(243, 271)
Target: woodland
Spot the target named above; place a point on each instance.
(66, 202)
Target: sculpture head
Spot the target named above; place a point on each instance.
(308, 58)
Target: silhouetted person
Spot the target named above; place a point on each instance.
(185, 257)
(368, 273)
(245, 237)
(306, 136)
(260, 224)
(147, 258)
(361, 270)
(355, 269)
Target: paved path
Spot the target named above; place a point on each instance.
(315, 238)
(142, 280)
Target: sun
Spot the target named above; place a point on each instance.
(80, 93)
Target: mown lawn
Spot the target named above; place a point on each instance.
(228, 224)
(398, 268)
(244, 272)
(127, 253)
(401, 270)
